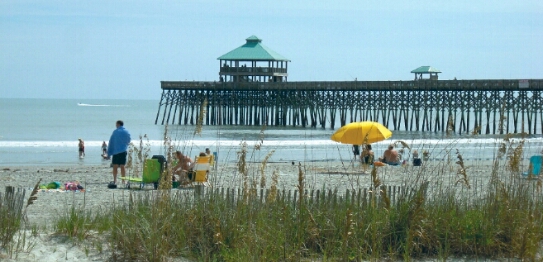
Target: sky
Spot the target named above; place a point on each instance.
(119, 49)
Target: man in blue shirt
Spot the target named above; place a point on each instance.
(118, 145)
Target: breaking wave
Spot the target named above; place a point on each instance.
(83, 104)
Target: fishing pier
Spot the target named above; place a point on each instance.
(253, 90)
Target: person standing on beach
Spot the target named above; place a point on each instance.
(81, 146)
(104, 148)
(118, 145)
(356, 151)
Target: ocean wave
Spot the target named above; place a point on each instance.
(426, 143)
(82, 104)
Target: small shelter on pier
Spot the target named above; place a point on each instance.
(419, 72)
(253, 62)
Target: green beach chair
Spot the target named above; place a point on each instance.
(151, 174)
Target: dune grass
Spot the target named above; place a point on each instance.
(505, 221)
(13, 218)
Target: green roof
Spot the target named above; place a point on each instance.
(425, 69)
(253, 50)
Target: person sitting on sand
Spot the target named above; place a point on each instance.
(202, 154)
(416, 159)
(390, 156)
(183, 167)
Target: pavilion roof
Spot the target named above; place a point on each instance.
(425, 69)
(253, 50)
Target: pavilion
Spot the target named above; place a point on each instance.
(253, 62)
(423, 70)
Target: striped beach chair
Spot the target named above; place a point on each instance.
(201, 170)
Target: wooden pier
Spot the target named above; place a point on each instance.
(458, 106)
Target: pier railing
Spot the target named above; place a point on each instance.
(433, 85)
(252, 70)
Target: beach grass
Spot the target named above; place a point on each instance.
(12, 219)
(505, 221)
(11, 216)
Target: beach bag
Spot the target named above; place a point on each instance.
(111, 185)
(53, 185)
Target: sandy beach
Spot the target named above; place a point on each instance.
(340, 176)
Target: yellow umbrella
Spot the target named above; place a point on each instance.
(358, 133)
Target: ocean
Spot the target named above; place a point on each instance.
(45, 132)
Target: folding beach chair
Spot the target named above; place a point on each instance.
(212, 159)
(534, 169)
(151, 174)
(201, 170)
